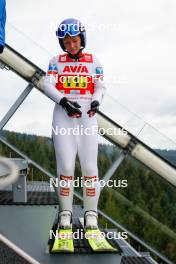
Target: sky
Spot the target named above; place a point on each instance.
(135, 42)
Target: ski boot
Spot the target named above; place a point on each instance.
(91, 220)
(65, 220)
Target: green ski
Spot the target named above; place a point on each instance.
(63, 241)
(97, 242)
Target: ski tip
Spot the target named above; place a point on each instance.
(63, 242)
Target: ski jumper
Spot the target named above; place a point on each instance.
(78, 80)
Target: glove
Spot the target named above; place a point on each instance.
(71, 107)
(93, 108)
(1, 48)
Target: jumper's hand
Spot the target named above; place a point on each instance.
(72, 108)
(93, 108)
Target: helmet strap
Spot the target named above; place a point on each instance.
(76, 56)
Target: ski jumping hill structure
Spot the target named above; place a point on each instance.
(36, 205)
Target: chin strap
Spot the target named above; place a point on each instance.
(76, 56)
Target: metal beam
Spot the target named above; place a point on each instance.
(114, 167)
(16, 105)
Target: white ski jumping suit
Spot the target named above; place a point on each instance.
(81, 81)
